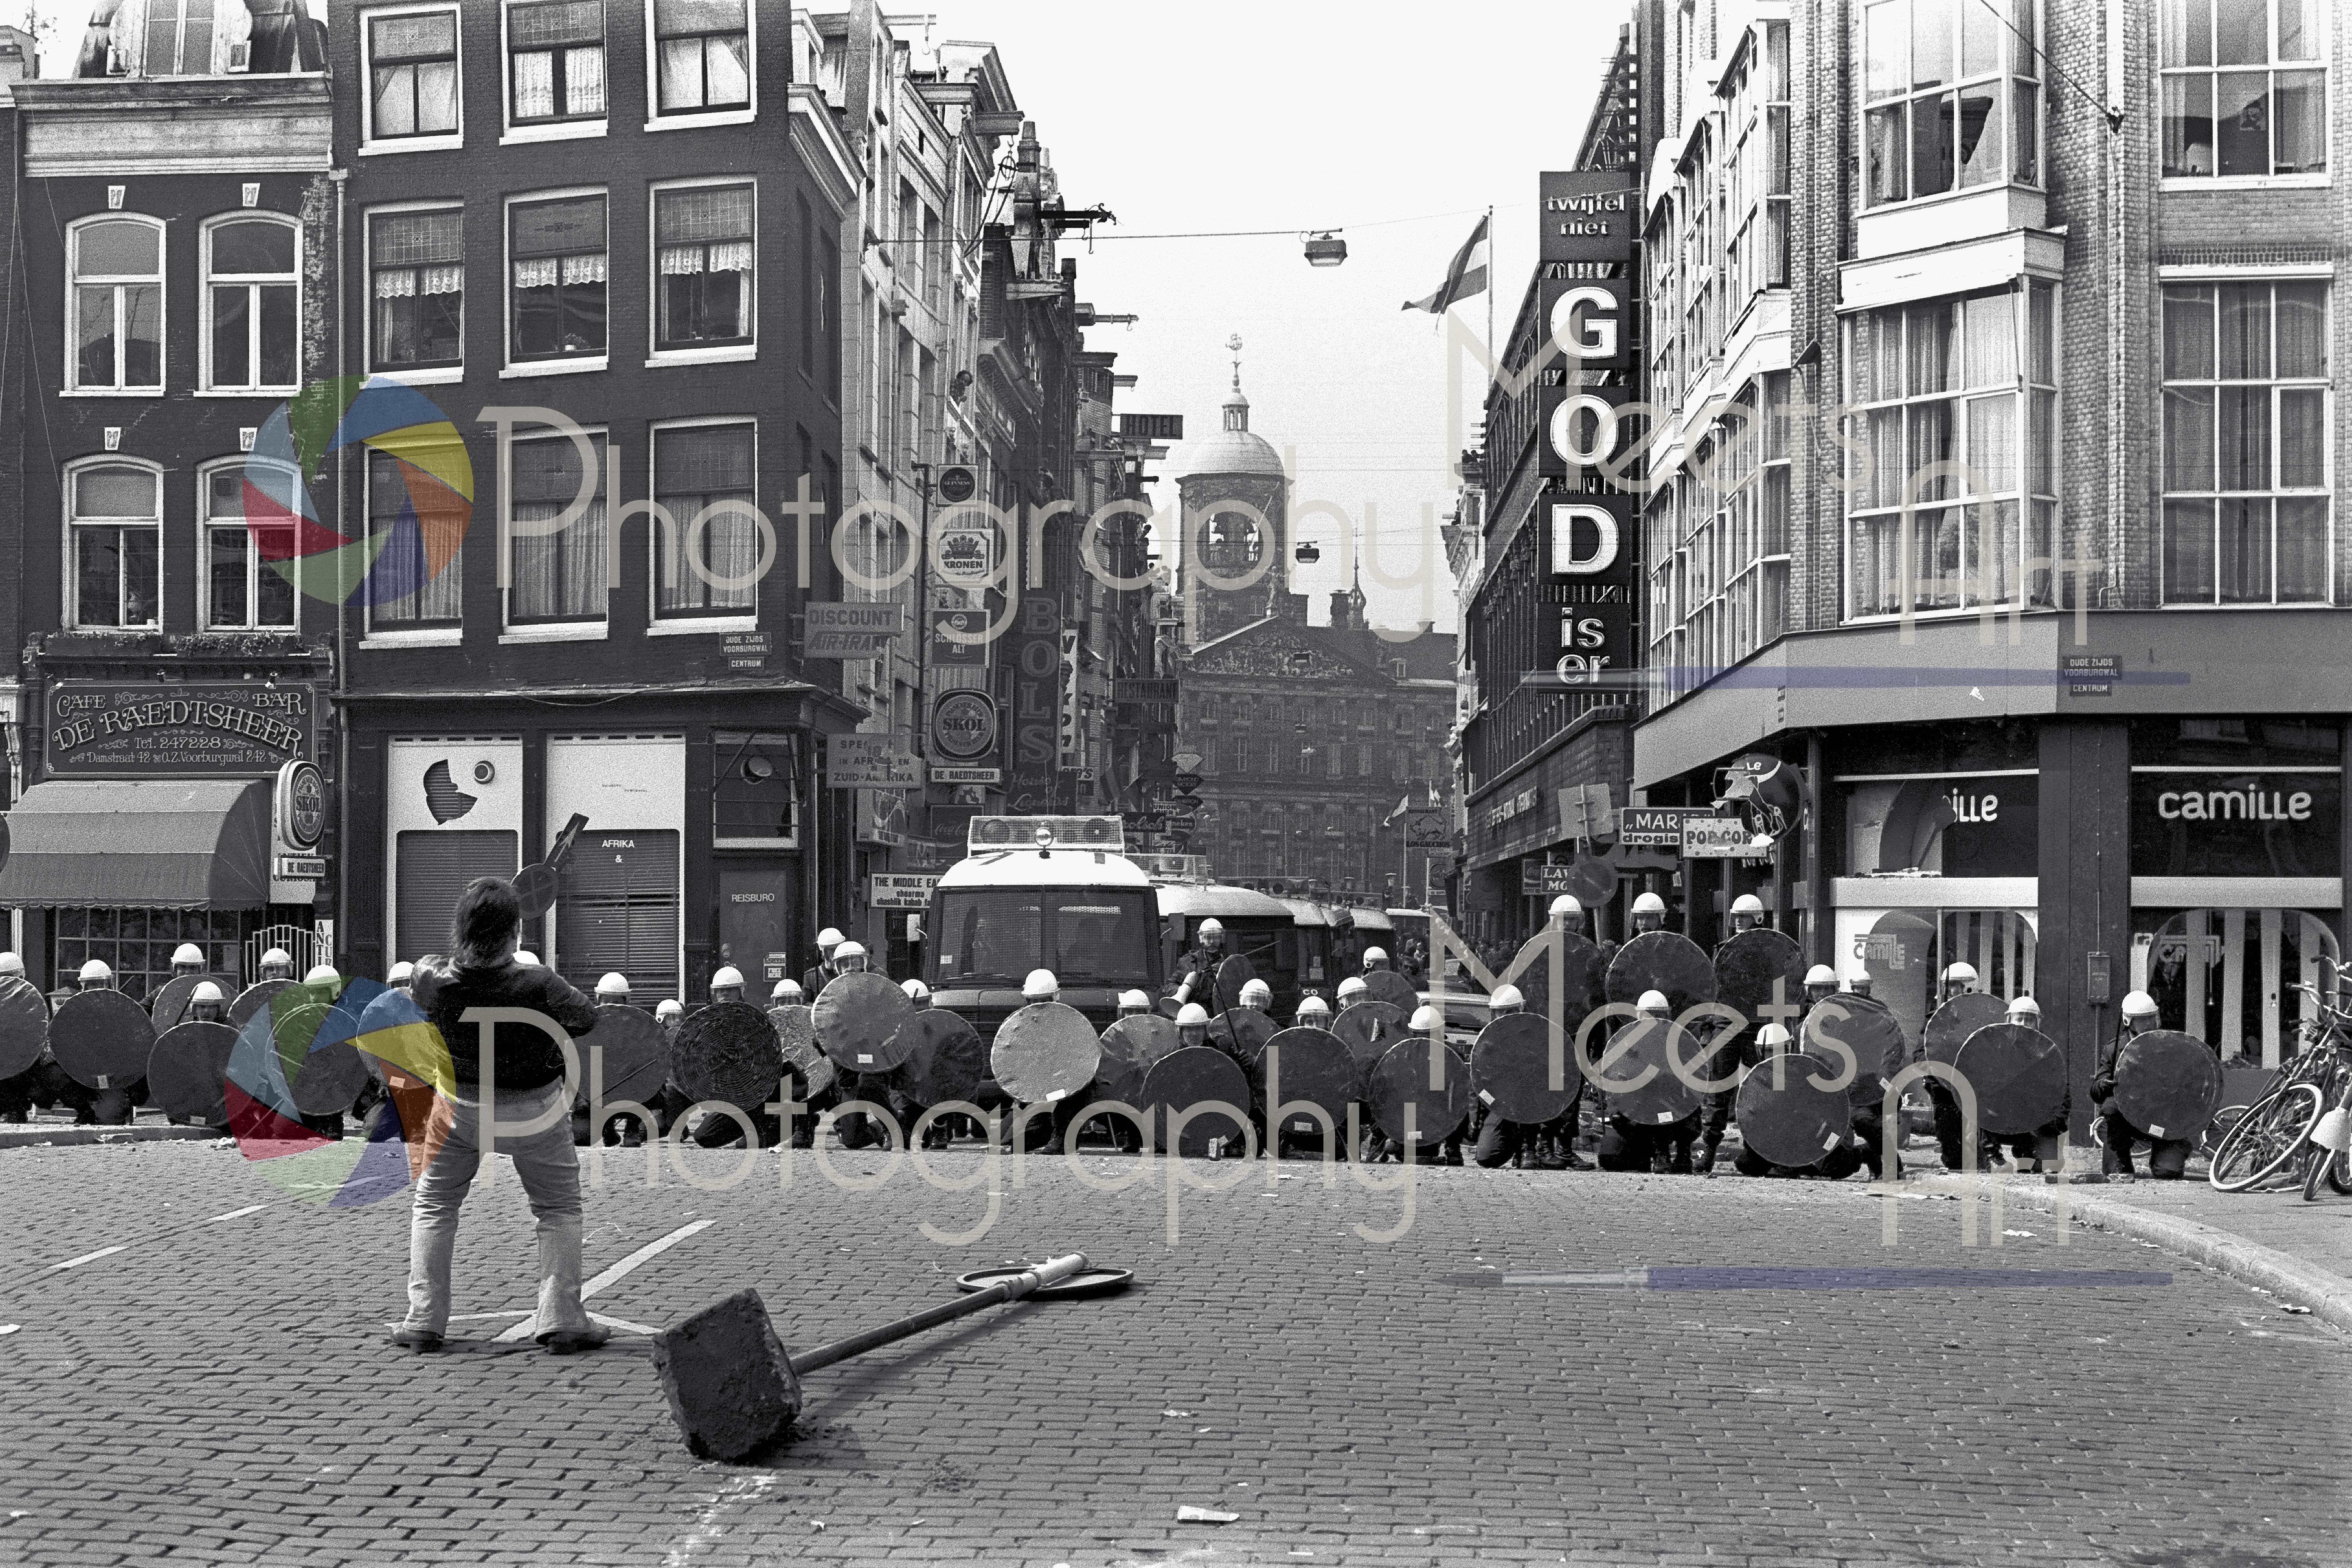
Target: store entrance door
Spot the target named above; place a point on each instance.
(755, 923)
(2228, 977)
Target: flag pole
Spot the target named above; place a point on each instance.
(1494, 277)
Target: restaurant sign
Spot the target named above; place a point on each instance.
(105, 729)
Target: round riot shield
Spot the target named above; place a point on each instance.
(1512, 1068)
(1400, 1080)
(2019, 1075)
(1950, 1025)
(728, 1052)
(1387, 985)
(253, 999)
(1241, 1032)
(1758, 969)
(1044, 1053)
(1234, 974)
(856, 1017)
(385, 1014)
(1784, 1117)
(1662, 961)
(2168, 1084)
(1370, 1030)
(945, 1060)
(1582, 974)
(324, 1070)
(170, 1005)
(187, 1073)
(1299, 1068)
(630, 1052)
(24, 1025)
(1129, 1047)
(1654, 1093)
(1189, 1079)
(1869, 1029)
(796, 1038)
(101, 1039)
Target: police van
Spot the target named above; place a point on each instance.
(1042, 892)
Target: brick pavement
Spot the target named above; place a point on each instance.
(223, 1394)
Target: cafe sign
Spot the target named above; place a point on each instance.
(101, 729)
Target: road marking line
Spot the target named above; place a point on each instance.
(614, 1274)
(91, 1257)
(238, 1214)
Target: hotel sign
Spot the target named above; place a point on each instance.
(102, 729)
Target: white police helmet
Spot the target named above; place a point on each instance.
(1821, 974)
(1425, 1018)
(729, 975)
(1747, 904)
(1649, 904)
(2025, 1007)
(321, 975)
(1507, 996)
(1258, 994)
(188, 952)
(1375, 955)
(1316, 1006)
(668, 1007)
(523, 955)
(787, 991)
(400, 974)
(827, 940)
(916, 990)
(1567, 904)
(1772, 1034)
(1351, 989)
(96, 969)
(1960, 974)
(277, 955)
(1189, 1014)
(1040, 987)
(1654, 1003)
(2139, 1005)
(1134, 1002)
(11, 964)
(1211, 927)
(206, 991)
(613, 983)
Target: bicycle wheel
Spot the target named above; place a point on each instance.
(2266, 1137)
(2340, 1174)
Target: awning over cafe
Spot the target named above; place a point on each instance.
(139, 843)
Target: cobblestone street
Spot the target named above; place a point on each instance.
(220, 1388)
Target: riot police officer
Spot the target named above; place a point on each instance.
(1958, 980)
(1649, 913)
(1197, 970)
(19, 1094)
(2044, 1149)
(2167, 1158)
(1496, 1142)
(1314, 1013)
(786, 993)
(1747, 915)
(279, 964)
(815, 981)
(1630, 1146)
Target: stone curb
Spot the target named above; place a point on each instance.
(32, 1135)
(2328, 1295)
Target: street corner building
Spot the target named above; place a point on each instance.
(168, 698)
(1994, 361)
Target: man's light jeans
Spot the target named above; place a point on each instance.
(550, 1171)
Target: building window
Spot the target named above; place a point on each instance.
(413, 75)
(253, 294)
(419, 288)
(1950, 499)
(708, 474)
(755, 798)
(117, 304)
(1951, 97)
(250, 554)
(703, 265)
(558, 302)
(176, 39)
(2246, 486)
(407, 592)
(2245, 87)
(557, 576)
(702, 55)
(115, 512)
(555, 62)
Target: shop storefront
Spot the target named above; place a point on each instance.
(678, 846)
(166, 808)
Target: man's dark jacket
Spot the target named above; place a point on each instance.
(527, 1058)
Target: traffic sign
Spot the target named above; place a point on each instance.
(1186, 761)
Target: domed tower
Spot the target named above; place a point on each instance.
(1231, 480)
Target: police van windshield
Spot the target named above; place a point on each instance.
(1086, 936)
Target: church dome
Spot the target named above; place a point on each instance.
(1232, 449)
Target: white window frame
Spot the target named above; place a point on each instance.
(437, 375)
(2017, 56)
(569, 628)
(75, 283)
(2324, 65)
(578, 365)
(254, 565)
(439, 634)
(656, 623)
(2325, 491)
(725, 353)
(371, 144)
(656, 120)
(563, 130)
(70, 586)
(207, 279)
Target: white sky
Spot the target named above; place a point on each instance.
(1397, 125)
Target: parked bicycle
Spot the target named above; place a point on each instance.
(2273, 1138)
